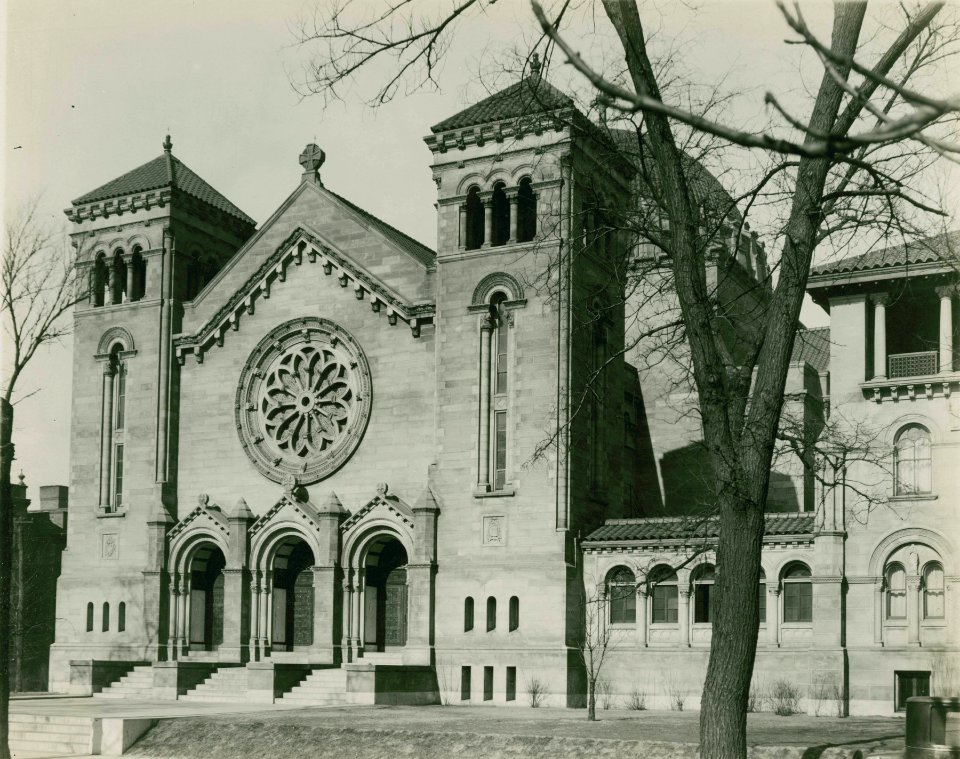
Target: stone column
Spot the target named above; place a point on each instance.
(183, 623)
(683, 614)
(112, 274)
(326, 639)
(946, 328)
(255, 602)
(234, 646)
(128, 260)
(174, 626)
(487, 220)
(913, 610)
(185, 599)
(347, 615)
(157, 585)
(462, 228)
(514, 216)
(355, 613)
(483, 479)
(266, 614)
(642, 617)
(878, 613)
(106, 435)
(773, 615)
(880, 301)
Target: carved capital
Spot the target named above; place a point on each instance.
(880, 299)
(946, 291)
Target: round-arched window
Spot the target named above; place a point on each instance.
(912, 461)
(797, 594)
(621, 589)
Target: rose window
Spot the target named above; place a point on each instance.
(303, 400)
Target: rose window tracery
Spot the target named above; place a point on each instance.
(303, 400)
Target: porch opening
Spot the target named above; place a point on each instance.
(206, 598)
(385, 596)
(292, 626)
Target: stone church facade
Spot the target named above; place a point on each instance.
(318, 452)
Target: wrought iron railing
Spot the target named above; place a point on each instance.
(922, 364)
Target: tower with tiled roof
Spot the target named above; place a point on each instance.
(146, 242)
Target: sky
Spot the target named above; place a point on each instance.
(92, 87)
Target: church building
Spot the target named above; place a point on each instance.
(316, 461)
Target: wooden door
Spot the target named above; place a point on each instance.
(198, 616)
(395, 608)
(280, 618)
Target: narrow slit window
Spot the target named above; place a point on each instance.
(468, 614)
(90, 617)
(105, 622)
(514, 613)
(465, 686)
(118, 476)
(500, 450)
(122, 617)
(121, 402)
(488, 683)
(511, 683)
(491, 613)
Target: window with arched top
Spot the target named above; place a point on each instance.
(526, 211)
(933, 600)
(514, 613)
(895, 585)
(474, 226)
(621, 590)
(90, 617)
(491, 613)
(912, 457)
(118, 278)
(122, 617)
(703, 581)
(797, 594)
(98, 281)
(663, 596)
(468, 614)
(105, 621)
(139, 279)
(118, 423)
(500, 371)
(500, 212)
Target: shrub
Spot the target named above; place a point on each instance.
(839, 702)
(785, 698)
(603, 692)
(537, 691)
(756, 697)
(819, 692)
(637, 699)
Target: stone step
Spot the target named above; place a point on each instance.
(53, 721)
(216, 698)
(147, 693)
(48, 747)
(49, 735)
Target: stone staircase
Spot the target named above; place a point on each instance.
(34, 735)
(138, 683)
(227, 685)
(323, 687)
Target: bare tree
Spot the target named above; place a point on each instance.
(596, 640)
(38, 287)
(850, 162)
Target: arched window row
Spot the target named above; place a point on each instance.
(500, 216)
(105, 617)
(120, 277)
(513, 614)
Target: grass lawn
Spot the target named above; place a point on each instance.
(491, 732)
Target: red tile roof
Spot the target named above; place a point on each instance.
(163, 171)
(530, 95)
(939, 248)
(692, 528)
(813, 346)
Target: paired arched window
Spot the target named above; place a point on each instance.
(663, 596)
(621, 590)
(895, 583)
(526, 211)
(468, 614)
(474, 223)
(912, 461)
(514, 613)
(703, 582)
(797, 594)
(491, 613)
(500, 212)
(933, 591)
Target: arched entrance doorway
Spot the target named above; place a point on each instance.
(385, 595)
(206, 598)
(292, 623)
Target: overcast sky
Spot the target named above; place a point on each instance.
(92, 88)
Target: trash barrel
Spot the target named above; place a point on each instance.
(933, 728)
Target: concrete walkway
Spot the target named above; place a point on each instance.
(85, 706)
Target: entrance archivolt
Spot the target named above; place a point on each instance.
(385, 594)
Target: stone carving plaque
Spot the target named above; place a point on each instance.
(110, 546)
(495, 530)
(303, 401)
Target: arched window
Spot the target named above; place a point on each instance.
(139, 274)
(500, 365)
(105, 622)
(663, 582)
(118, 423)
(468, 614)
(621, 588)
(122, 617)
(500, 210)
(762, 597)
(474, 222)
(98, 281)
(514, 613)
(491, 613)
(118, 278)
(797, 594)
(895, 580)
(933, 591)
(90, 617)
(526, 211)
(703, 594)
(911, 461)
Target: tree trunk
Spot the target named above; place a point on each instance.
(591, 699)
(6, 553)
